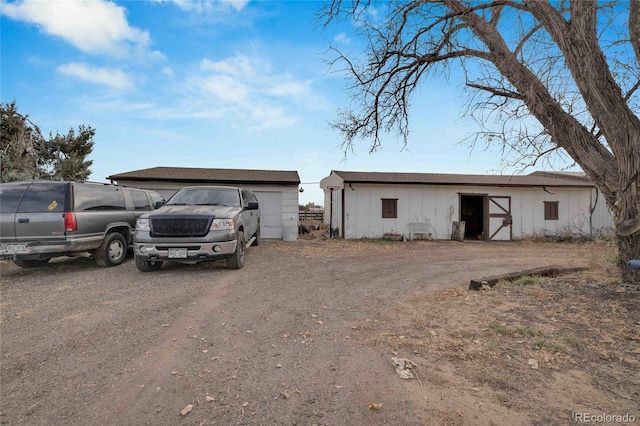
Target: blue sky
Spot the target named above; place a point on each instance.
(220, 84)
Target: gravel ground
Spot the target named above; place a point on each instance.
(285, 340)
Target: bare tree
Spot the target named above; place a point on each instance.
(547, 78)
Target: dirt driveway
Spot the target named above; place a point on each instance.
(301, 335)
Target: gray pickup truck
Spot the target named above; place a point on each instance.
(40, 220)
(198, 223)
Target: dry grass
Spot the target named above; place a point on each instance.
(533, 351)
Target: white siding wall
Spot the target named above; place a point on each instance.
(290, 214)
(439, 207)
(528, 211)
(602, 219)
(363, 215)
(270, 214)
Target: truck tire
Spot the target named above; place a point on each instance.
(148, 265)
(112, 251)
(31, 263)
(237, 260)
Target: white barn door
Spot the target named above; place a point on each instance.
(270, 214)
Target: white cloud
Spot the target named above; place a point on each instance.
(96, 27)
(236, 4)
(238, 66)
(206, 6)
(168, 71)
(290, 88)
(342, 38)
(270, 117)
(107, 76)
(248, 90)
(225, 88)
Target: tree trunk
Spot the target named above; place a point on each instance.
(627, 214)
(629, 248)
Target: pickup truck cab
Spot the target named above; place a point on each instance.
(40, 220)
(196, 224)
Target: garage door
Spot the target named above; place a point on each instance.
(270, 214)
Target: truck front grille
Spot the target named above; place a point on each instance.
(179, 227)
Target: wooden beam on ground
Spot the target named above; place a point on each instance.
(540, 272)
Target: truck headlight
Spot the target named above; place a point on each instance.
(142, 224)
(221, 224)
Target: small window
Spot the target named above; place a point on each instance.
(42, 197)
(157, 200)
(389, 208)
(140, 200)
(93, 197)
(550, 210)
(245, 197)
(10, 194)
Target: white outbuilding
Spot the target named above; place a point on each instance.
(492, 207)
(276, 190)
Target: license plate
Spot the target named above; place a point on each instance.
(16, 248)
(177, 253)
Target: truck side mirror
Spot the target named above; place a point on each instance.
(252, 205)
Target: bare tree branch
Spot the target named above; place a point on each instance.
(497, 92)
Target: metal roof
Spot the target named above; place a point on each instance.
(552, 179)
(187, 174)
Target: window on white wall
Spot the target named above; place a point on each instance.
(389, 208)
(550, 210)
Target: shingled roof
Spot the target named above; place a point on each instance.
(551, 179)
(187, 174)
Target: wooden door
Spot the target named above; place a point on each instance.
(498, 219)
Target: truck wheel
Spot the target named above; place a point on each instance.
(31, 263)
(237, 260)
(148, 265)
(112, 251)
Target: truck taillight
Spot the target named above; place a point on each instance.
(70, 224)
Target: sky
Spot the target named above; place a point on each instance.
(234, 84)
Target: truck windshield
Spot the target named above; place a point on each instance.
(205, 197)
